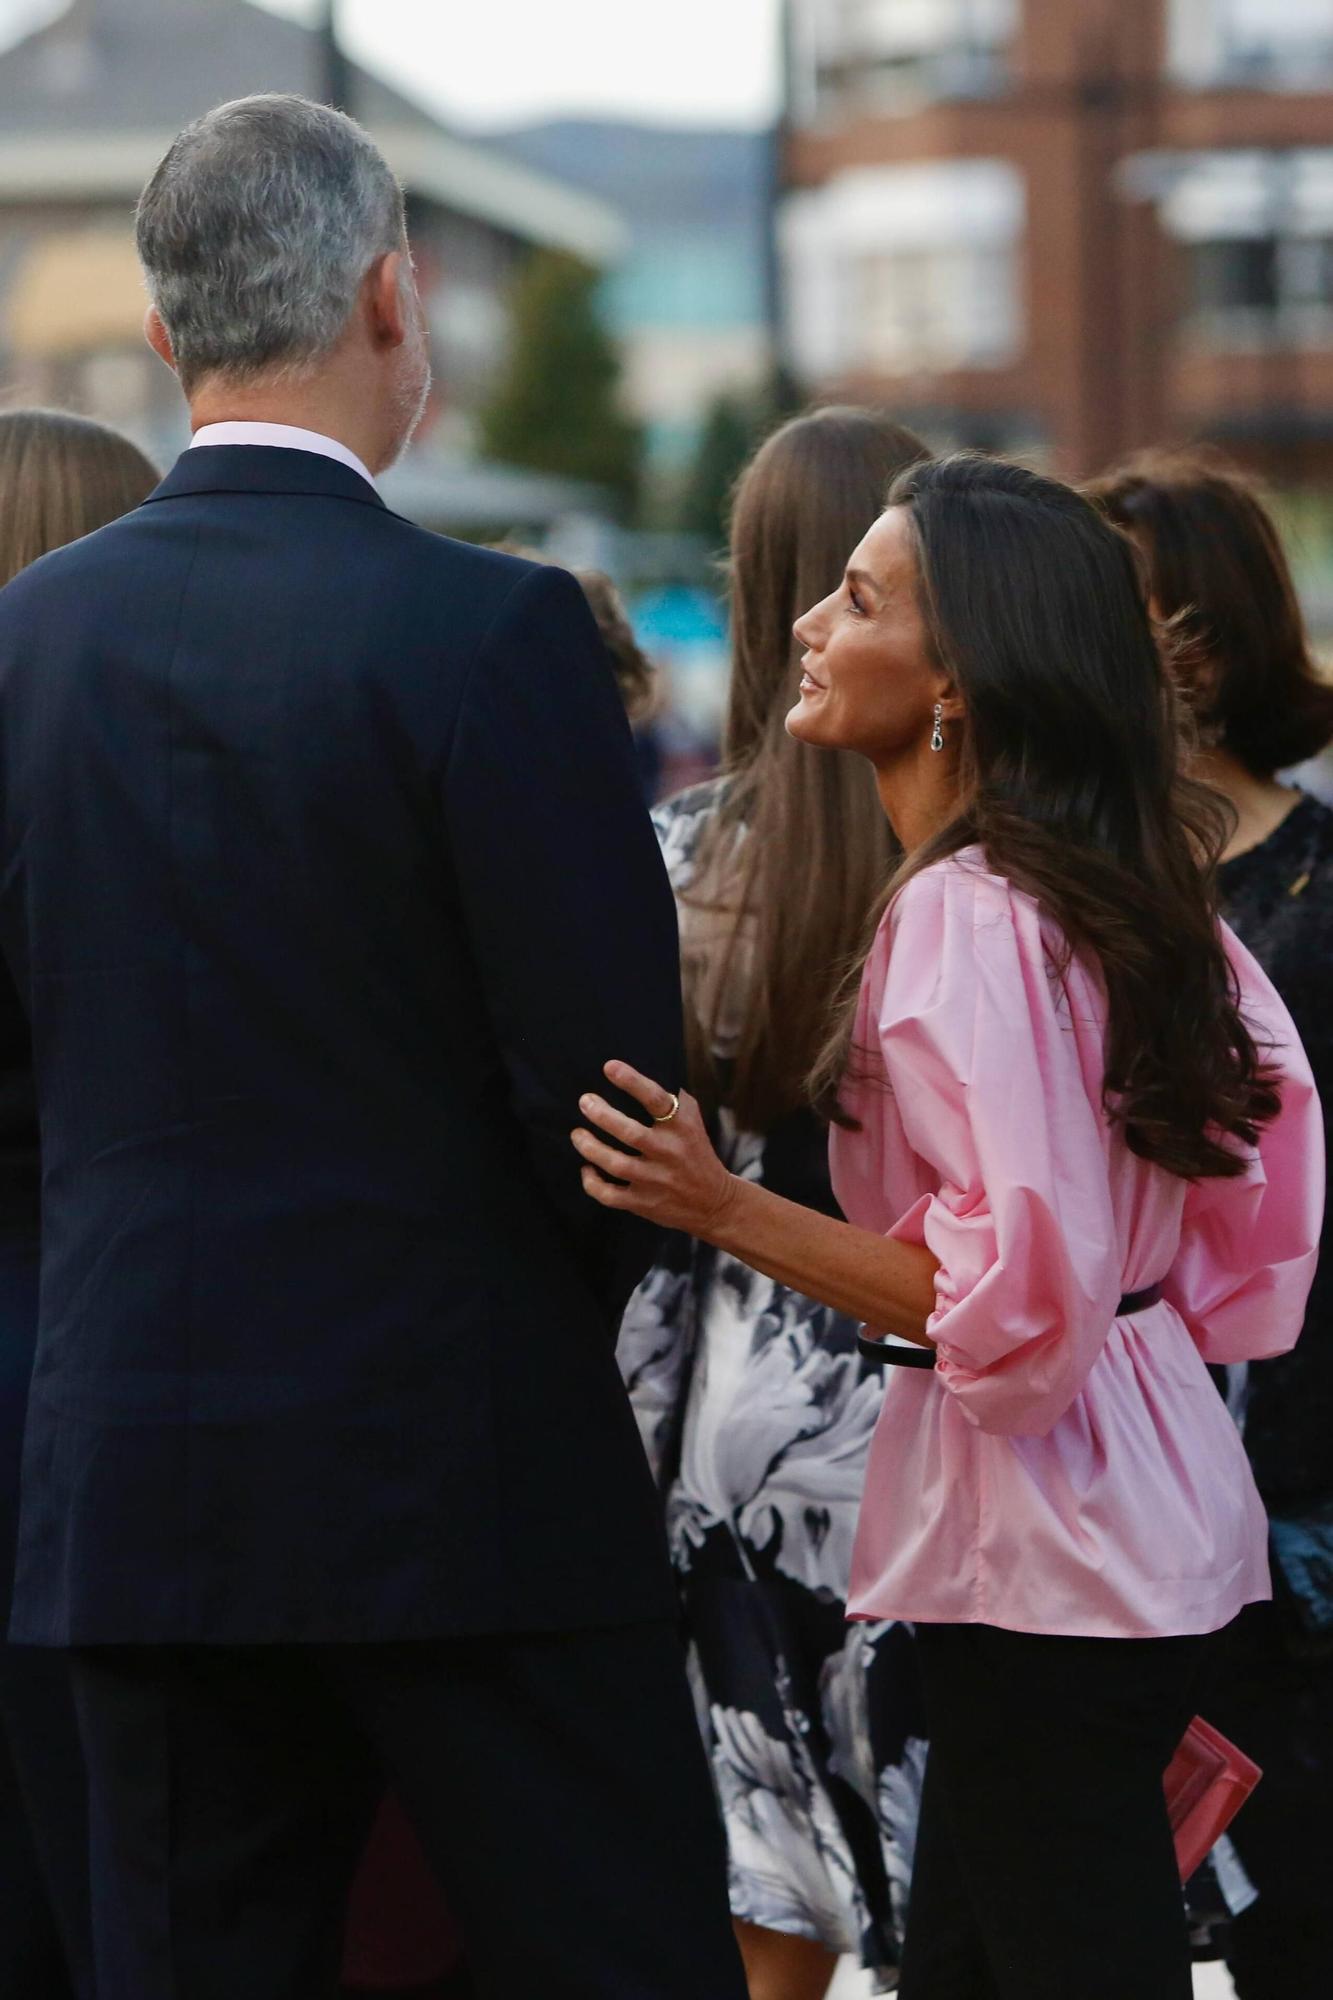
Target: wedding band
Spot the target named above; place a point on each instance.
(667, 1116)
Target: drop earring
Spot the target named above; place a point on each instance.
(937, 733)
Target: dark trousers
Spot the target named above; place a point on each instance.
(45, 1940)
(1044, 1865)
(31, 1960)
(1280, 1710)
(557, 1784)
(45, 1933)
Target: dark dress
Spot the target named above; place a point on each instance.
(45, 1949)
(757, 1411)
(1277, 1701)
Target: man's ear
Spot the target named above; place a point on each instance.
(387, 290)
(155, 333)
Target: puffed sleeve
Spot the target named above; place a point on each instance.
(1248, 1246)
(991, 1071)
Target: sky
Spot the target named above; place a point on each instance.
(492, 62)
(487, 62)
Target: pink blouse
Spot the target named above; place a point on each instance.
(1062, 1469)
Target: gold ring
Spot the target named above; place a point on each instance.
(667, 1116)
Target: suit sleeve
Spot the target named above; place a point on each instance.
(565, 896)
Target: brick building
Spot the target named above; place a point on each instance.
(1068, 227)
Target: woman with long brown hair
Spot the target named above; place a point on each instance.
(753, 1401)
(1081, 1157)
(1219, 579)
(61, 477)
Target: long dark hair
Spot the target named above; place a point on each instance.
(1071, 782)
(1219, 574)
(800, 850)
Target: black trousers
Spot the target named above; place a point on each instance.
(557, 1783)
(45, 1933)
(1044, 1865)
(1279, 1708)
(45, 1939)
(31, 1958)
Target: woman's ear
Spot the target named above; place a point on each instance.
(952, 706)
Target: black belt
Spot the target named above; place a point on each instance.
(907, 1354)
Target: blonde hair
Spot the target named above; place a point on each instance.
(61, 477)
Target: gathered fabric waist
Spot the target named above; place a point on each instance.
(1134, 1515)
(885, 1351)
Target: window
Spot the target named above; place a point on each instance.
(889, 55)
(1267, 44)
(1307, 274)
(1236, 276)
(903, 29)
(1258, 235)
(930, 310)
(1263, 291)
(905, 270)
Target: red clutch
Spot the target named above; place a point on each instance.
(1207, 1782)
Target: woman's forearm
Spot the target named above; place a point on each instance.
(889, 1285)
(669, 1172)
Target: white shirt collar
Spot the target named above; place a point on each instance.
(286, 437)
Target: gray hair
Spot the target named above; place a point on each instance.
(256, 231)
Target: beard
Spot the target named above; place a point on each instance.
(411, 391)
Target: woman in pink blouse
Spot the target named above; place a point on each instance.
(1081, 1157)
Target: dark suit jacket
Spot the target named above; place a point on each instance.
(328, 886)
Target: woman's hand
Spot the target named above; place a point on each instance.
(672, 1175)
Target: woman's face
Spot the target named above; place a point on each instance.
(869, 682)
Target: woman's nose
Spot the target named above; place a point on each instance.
(807, 628)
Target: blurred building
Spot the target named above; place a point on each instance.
(691, 302)
(1068, 227)
(88, 105)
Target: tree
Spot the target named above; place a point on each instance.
(555, 405)
(733, 427)
(724, 445)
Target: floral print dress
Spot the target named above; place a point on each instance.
(757, 1411)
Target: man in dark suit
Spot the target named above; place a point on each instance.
(328, 888)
